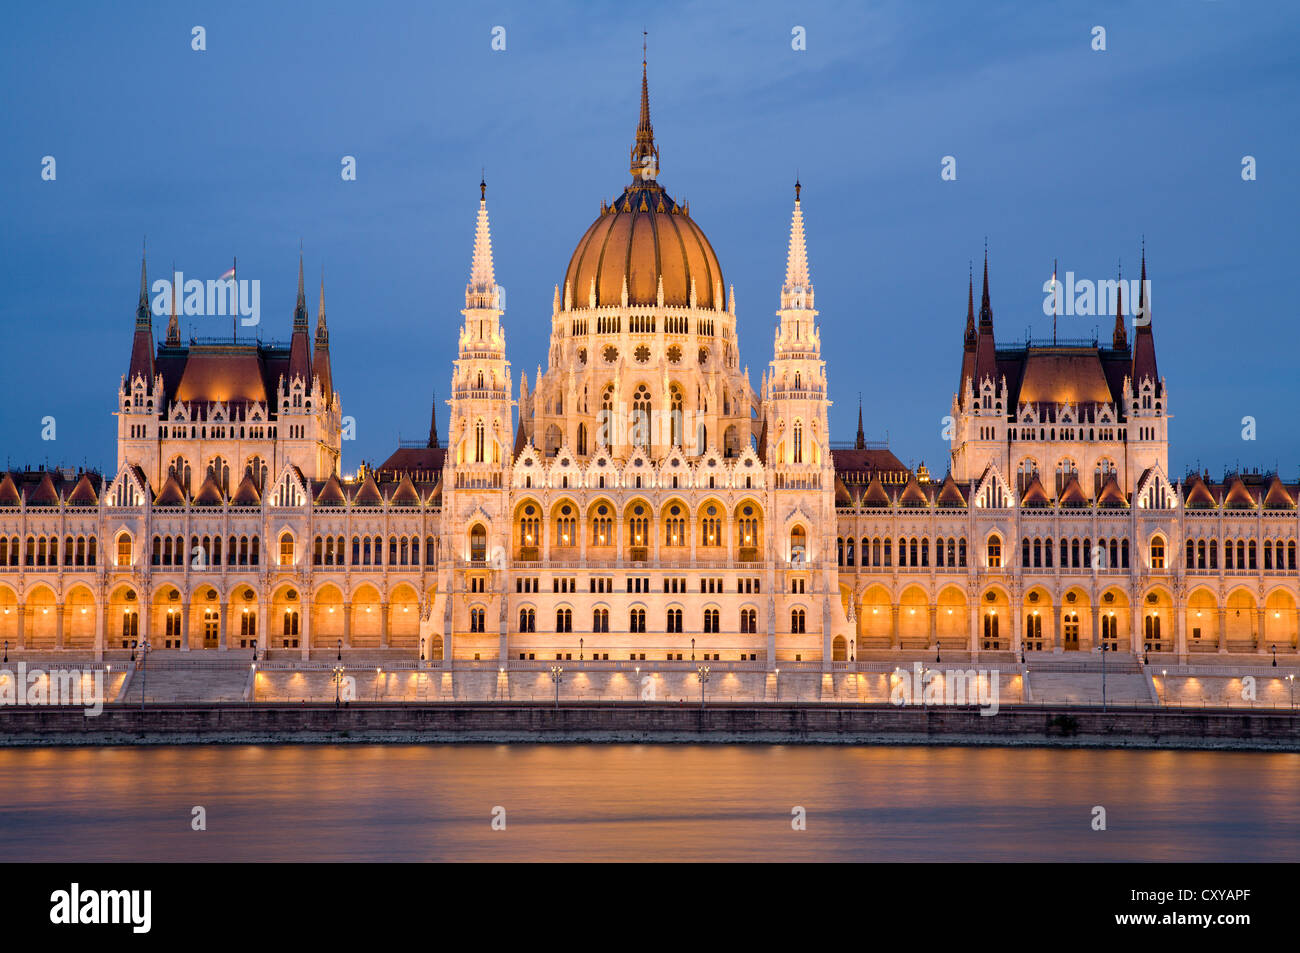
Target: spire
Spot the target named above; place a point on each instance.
(1120, 338)
(1144, 345)
(986, 358)
(797, 292)
(861, 442)
(481, 290)
(173, 326)
(970, 309)
(299, 345)
(320, 359)
(643, 147)
(143, 318)
(300, 308)
(986, 309)
(433, 424)
(142, 341)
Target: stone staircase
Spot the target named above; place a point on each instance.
(181, 684)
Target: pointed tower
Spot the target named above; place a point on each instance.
(645, 154)
(980, 408)
(173, 325)
(299, 345)
(1144, 344)
(970, 339)
(861, 442)
(1119, 339)
(320, 358)
(794, 401)
(141, 366)
(481, 433)
(433, 443)
(1146, 403)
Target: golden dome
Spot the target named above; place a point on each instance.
(644, 235)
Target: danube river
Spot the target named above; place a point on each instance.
(645, 802)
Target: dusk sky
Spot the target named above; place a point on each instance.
(1062, 152)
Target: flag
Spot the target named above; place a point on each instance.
(230, 273)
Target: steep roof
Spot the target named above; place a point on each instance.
(171, 493)
(1278, 498)
(44, 494)
(84, 493)
(1197, 494)
(951, 494)
(246, 494)
(369, 494)
(9, 492)
(876, 495)
(209, 493)
(1111, 494)
(405, 494)
(1073, 494)
(912, 494)
(331, 493)
(1035, 494)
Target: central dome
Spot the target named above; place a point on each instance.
(644, 236)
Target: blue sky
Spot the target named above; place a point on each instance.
(1062, 152)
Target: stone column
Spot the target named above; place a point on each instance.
(1096, 627)
(221, 622)
(894, 641)
(974, 629)
(1016, 623)
(383, 625)
(347, 625)
(185, 626)
(1223, 630)
(934, 626)
(101, 624)
(58, 627)
(22, 626)
(1057, 621)
(263, 635)
(1259, 632)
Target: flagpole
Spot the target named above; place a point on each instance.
(234, 318)
(1054, 304)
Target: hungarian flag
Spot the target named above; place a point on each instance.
(230, 273)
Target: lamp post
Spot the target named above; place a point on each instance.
(1103, 675)
(144, 670)
(702, 673)
(340, 655)
(581, 643)
(1290, 684)
(254, 650)
(6, 650)
(557, 676)
(1275, 656)
(692, 650)
(338, 682)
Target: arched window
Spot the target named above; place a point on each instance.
(798, 545)
(639, 433)
(600, 620)
(286, 549)
(1158, 553)
(563, 620)
(797, 621)
(674, 620)
(676, 414)
(478, 543)
(636, 620)
(995, 552)
(798, 441)
(527, 620)
(477, 620)
(123, 549)
(478, 442)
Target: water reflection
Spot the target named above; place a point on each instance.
(645, 802)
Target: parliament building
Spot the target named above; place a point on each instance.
(641, 499)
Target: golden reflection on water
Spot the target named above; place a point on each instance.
(645, 802)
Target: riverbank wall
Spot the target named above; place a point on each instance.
(654, 723)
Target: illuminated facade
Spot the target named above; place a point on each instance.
(642, 500)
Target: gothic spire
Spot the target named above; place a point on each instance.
(481, 291)
(797, 292)
(970, 309)
(320, 359)
(1119, 339)
(322, 332)
(173, 326)
(861, 442)
(645, 154)
(986, 309)
(300, 308)
(143, 318)
(1144, 345)
(433, 424)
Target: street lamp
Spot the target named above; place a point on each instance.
(692, 650)
(557, 676)
(144, 670)
(580, 645)
(254, 650)
(421, 651)
(1275, 656)
(1103, 675)
(338, 681)
(1290, 682)
(340, 658)
(6, 650)
(702, 673)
